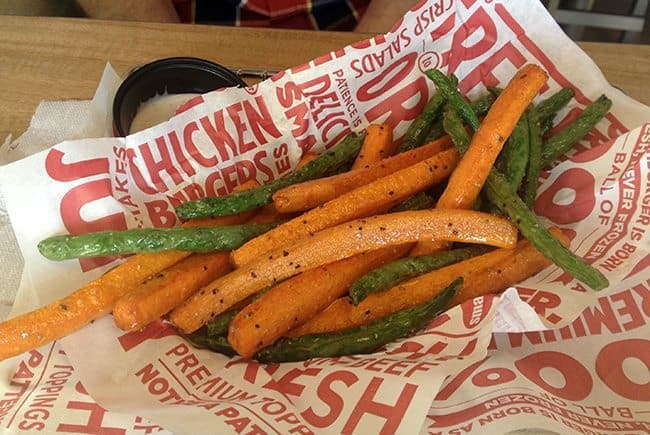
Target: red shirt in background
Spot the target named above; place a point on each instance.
(293, 14)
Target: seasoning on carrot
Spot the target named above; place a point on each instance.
(468, 178)
(336, 243)
(294, 301)
(165, 290)
(488, 273)
(373, 198)
(93, 300)
(310, 194)
(377, 145)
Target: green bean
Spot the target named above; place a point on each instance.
(419, 201)
(454, 127)
(547, 109)
(238, 202)
(391, 274)
(534, 157)
(216, 343)
(513, 159)
(362, 339)
(454, 98)
(420, 126)
(219, 324)
(480, 106)
(503, 196)
(195, 239)
(563, 141)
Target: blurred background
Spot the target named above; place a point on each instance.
(617, 21)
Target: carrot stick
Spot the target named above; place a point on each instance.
(307, 195)
(96, 298)
(468, 178)
(488, 273)
(93, 300)
(160, 294)
(294, 301)
(336, 243)
(377, 145)
(373, 198)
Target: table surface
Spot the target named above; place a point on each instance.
(62, 58)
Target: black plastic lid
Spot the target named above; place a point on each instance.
(174, 75)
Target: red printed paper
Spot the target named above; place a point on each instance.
(586, 373)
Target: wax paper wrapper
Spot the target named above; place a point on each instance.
(599, 196)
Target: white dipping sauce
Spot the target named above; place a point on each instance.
(157, 109)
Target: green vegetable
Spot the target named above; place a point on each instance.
(391, 274)
(534, 157)
(503, 196)
(419, 128)
(513, 159)
(217, 343)
(454, 98)
(195, 239)
(454, 127)
(562, 142)
(419, 201)
(547, 109)
(480, 106)
(362, 339)
(219, 324)
(238, 202)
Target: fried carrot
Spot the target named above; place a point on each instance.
(377, 145)
(336, 243)
(373, 198)
(488, 273)
(294, 301)
(468, 178)
(163, 292)
(307, 195)
(93, 300)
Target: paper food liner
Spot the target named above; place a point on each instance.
(598, 196)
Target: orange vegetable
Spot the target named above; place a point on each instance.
(167, 289)
(307, 195)
(336, 243)
(377, 145)
(468, 178)
(489, 273)
(93, 300)
(369, 199)
(296, 300)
